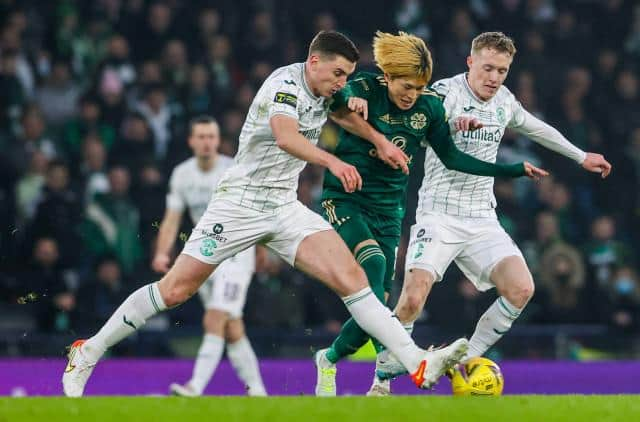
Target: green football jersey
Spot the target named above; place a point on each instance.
(384, 188)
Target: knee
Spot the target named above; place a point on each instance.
(174, 292)
(413, 302)
(214, 322)
(520, 294)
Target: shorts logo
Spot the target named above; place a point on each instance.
(286, 98)
(208, 246)
(218, 228)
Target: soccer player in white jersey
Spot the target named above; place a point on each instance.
(455, 219)
(256, 202)
(224, 294)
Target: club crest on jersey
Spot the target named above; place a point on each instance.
(500, 114)
(418, 121)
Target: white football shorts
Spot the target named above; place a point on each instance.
(226, 289)
(475, 244)
(226, 229)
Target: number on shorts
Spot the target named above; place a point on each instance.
(231, 291)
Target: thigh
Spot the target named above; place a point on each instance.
(429, 246)
(490, 245)
(225, 230)
(325, 256)
(294, 222)
(348, 221)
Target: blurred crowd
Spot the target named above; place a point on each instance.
(96, 98)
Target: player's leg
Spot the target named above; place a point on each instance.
(204, 250)
(427, 258)
(243, 358)
(308, 242)
(514, 283)
(180, 283)
(489, 259)
(353, 227)
(210, 351)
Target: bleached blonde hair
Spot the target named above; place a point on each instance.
(402, 56)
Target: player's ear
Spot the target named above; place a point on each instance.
(469, 61)
(313, 60)
(387, 78)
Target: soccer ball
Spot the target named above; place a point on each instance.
(477, 377)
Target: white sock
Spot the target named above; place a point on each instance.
(492, 326)
(129, 317)
(384, 354)
(244, 361)
(378, 321)
(207, 361)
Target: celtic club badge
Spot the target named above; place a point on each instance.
(418, 121)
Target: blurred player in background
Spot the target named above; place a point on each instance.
(404, 115)
(223, 294)
(456, 219)
(256, 202)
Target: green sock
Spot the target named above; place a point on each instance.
(351, 336)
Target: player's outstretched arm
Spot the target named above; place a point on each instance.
(549, 137)
(285, 131)
(354, 123)
(166, 239)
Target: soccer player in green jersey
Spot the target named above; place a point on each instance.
(400, 111)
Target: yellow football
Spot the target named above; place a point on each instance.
(477, 377)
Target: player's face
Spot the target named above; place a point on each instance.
(205, 139)
(328, 75)
(488, 69)
(404, 92)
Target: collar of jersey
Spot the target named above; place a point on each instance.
(304, 84)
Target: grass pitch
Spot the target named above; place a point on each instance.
(277, 409)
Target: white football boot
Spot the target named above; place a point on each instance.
(380, 388)
(436, 363)
(388, 367)
(326, 375)
(183, 390)
(77, 372)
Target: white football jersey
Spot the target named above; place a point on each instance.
(265, 176)
(461, 194)
(190, 187)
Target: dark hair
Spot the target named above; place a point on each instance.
(198, 120)
(331, 43)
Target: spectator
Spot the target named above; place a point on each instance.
(58, 212)
(44, 287)
(112, 223)
(603, 252)
(562, 286)
(101, 294)
(88, 122)
(58, 96)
